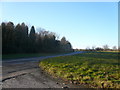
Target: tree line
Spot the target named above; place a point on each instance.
(18, 39)
(104, 48)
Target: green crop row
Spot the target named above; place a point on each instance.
(97, 70)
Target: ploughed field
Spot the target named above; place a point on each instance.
(94, 69)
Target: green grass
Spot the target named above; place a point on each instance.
(109, 51)
(98, 69)
(16, 56)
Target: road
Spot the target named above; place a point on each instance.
(25, 73)
(22, 60)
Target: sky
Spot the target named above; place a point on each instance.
(84, 24)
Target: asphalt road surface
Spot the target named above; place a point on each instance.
(25, 73)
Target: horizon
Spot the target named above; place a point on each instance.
(72, 20)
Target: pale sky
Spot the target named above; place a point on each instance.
(82, 23)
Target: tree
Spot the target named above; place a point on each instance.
(114, 48)
(7, 37)
(99, 49)
(21, 38)
(39, 42)
(87, 48)
(24, 43)
(93, 47)
(32, 38)
(63, 41)
(32, 34)
(16, 39)
(10, 31)
(4, 49)
(65, 45)
(119, 48)
(0, 39)
(106, 47)
(68, 46)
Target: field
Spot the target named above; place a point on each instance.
(95, 69)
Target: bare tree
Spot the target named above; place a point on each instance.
(87, 48)
(105, 47)
(114, 48)
(93, 47)
(119, 48)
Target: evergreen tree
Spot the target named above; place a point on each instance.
(8, 42)
(32, 38)
(16, 39)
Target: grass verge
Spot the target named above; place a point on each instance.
(98, 70)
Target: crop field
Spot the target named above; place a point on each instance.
(95, 69)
